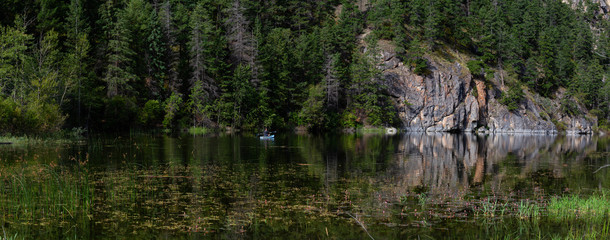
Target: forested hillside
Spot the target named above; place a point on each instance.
(119, 64)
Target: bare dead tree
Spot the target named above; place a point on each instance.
(241, 39)
(332, 83)
(172, 55)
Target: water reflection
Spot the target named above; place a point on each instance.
(451, 163)
(228, 186)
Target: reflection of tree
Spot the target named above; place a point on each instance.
(446, 163)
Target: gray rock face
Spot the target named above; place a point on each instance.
(449, 99)
(439, 102)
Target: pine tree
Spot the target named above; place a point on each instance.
(13, 55)
(155, 56)
(172, 53)
(432, 23)
(201, 45)
(118, 70)
(50, 15)
(74, 65)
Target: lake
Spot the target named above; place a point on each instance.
(358, 186)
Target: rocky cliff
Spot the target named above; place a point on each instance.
(450, 99)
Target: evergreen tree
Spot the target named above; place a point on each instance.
(201, 46)
(74, 62)
(172, 55)
(13, 57)
(155, 56)
(50, 15)
(118, 72)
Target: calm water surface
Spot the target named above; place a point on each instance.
(405, 186)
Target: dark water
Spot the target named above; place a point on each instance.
(410, 186)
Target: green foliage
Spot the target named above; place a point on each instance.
(198, 105)
(119, 56)
(476, 67)
(349, 120)
(568, 106)
(512, 99)
(559, 125)
(594, 208)
(35, 117)
(11, 119)
(247, 63)
(173, 105)
(415, 58)
(151, 114)
(44, 117)
(13, 48)
(198, 130)
(312, 113)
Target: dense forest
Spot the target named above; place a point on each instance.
(173, 64)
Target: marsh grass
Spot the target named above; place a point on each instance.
(492, 208)
(197, 130)
(528, 210)
(422, 199)
(41, 193)
(5, 236)
(595, 208)
(59, 138)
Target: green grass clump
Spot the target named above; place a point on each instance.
(40, 191)
(489, 208)
(594, 208)
(8, 237)
(422, 199)
(198, 130)
(528, 210)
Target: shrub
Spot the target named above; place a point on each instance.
(559, 125)
(420, 66)
(151, 114)
(348, 119)
(172, 107)
(568, 106)
(8, 115)
(35, 117)
(512, 98)
(475, 67)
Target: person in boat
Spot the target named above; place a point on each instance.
(266, 132)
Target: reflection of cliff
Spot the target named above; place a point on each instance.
(447, 163)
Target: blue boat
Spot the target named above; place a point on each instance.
(270, 137)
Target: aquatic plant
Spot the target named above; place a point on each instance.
(45, 191)
(594, 208)
(528, 210)
(198, 130)
(8, 237)
(422, 199)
